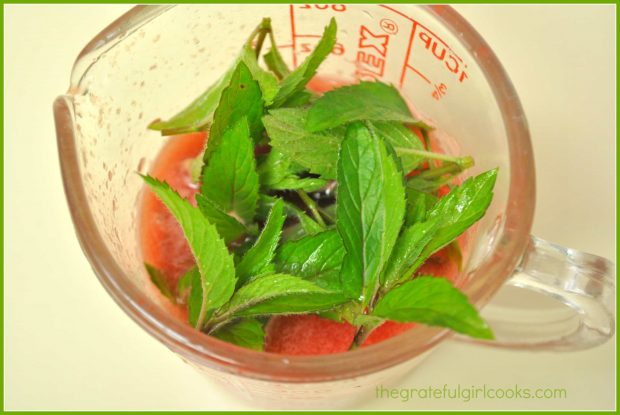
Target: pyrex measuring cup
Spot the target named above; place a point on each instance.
(153, 60)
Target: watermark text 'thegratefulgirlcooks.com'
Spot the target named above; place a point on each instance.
(468, 393)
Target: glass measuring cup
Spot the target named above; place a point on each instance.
(143, 67)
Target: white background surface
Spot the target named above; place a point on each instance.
(68, 345)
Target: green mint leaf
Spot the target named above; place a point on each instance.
(276, 173)
(346, 312)
(230, 180)
(300, 99)
(257, 260)
(215, 264)
(407, 250)
(159, 280)
(457, 211)
(296, 81)
(369, 211)
(307, 184)
(430, 185)
(227, 226)
(301, 303)
(197, 114)
(273, 168)
(241, 98)
(198, 313)
(418, 204)
(247, 332)
(317, 152)
(275, 63)
(435, 302)
(267, 82)
(280, 294)
(400, 136)
(374, 101)
(309, 225)
(315, 258)
(306, 226)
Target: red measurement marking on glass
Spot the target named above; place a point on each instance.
(405, 63)
(452, 62)
(422, 26)
(420, 74)
(371, 53)
(293, 34)
(334, 7)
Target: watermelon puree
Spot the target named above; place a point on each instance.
(164, 247)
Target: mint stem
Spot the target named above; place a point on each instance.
(312, 206)
(435, 156)
(452, 168)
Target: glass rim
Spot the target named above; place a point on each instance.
(204, 350)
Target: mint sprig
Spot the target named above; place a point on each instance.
(230, 180)
(316, 204)
(215, 264)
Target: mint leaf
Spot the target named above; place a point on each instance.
(306, 226)
(247, 332)
(317, 152)
(457, 211)
(307, 184)
(257, 260)
(296, 303)
(267, 82)
(309, 225)
(275, 62)
(435, 302)
(196, 302)
(215, 264)
(300, 99)
(279, 294)
(241, 98)
(230, 180)
(228, 227)
(277, 173)
(400, 136)
(374, 101)
(315, 258)
(197, 114)
(296, 81)
(418, 204)
(408, 247)
(159, 280)
(369, 211)
(273, 168)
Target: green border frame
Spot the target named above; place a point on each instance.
(275, 2)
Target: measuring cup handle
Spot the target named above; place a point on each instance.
(583, 282)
